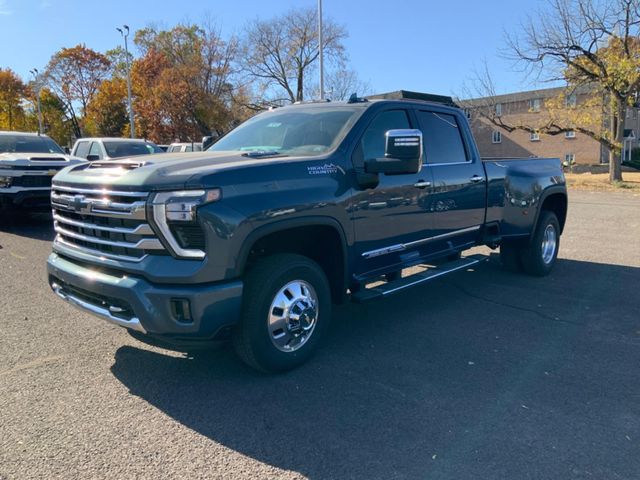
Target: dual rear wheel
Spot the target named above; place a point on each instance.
(537, 256)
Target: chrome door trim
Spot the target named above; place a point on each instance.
(404, 246)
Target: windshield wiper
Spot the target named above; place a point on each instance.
(263, 153)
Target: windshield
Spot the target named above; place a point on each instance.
(297, 131)
(27, 144)
(130, 149)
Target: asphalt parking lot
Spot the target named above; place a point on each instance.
(481, 375)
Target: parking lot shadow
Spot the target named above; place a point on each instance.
(33, 225)
(482, 375)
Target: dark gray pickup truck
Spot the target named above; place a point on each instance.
(298, 208)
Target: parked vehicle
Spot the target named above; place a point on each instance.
(185, 147)
(28, 161)
(107, 148)
(294, 210)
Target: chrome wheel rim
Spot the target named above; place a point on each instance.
(293, 316)
(549, 244)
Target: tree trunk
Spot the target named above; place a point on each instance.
(300, 89)
(617, 129)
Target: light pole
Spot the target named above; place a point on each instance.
(320, 47)
(124, 31)
(36, 79)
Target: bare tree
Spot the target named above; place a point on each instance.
(341, 83)
(591, 45)
(281, 52)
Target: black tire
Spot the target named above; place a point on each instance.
(534, 260)
(252, 339)
(511, 257)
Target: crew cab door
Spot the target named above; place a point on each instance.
(392, 212)
(457, 198)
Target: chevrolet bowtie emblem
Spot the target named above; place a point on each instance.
(80, 204)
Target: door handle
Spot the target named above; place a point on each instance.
(476, 179)
(422, 184)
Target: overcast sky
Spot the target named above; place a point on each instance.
(428, 46)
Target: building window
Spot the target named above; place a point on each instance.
(498, 111)
(569, 159)
(570, 134)
(535, 104)
(571, 100)
(496, 137)
(534, 136)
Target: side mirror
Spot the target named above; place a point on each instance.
(92, 158)
(209, 140)
(67, 150)
(402, 154)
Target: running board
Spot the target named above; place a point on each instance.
(390, 288)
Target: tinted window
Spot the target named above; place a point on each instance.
(373, 140)
(82, 149)
(442, 138)
(130, 149)
(96, 150)
(11, 143)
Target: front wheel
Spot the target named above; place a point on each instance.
(286, 311)
(539, 257)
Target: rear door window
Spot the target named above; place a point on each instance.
(442, 138)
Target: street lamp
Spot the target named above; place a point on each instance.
(124, 31)
(320, 46)
(36, 79)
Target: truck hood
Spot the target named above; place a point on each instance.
(163, 171)
(17, 160)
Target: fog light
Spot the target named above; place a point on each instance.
(5, 182)
(181, 310)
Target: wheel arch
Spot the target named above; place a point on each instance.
(554, 199)
(320, 238)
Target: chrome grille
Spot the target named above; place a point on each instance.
(103, 223)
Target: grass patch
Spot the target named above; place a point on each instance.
(600, 182)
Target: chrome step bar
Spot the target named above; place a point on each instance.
(390, 288)
(105, 313)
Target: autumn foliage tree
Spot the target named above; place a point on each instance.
(12, 93)
(74, 75)
(183, 83)
(106, 113)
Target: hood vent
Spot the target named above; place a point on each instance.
(48, 159)
(126, 165)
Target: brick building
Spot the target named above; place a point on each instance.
(528, 108)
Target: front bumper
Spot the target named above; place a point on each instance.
(139, 305)
(22, 198)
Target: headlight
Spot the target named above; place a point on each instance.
(180, 207)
